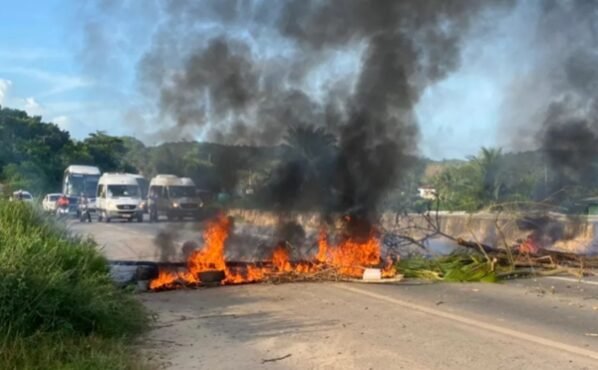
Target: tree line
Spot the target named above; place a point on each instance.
(34, 155)
(298, 174)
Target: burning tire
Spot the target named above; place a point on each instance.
(211, 276)
(146, 272)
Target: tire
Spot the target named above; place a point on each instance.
(140, 217)
(146, 272)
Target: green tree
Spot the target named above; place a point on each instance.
(108, 152)
(458, 187)
(489, 164)
(33, 147)
(25, 175)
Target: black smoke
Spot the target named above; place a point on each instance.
(208, 71)
(570, 128)
(553, 106)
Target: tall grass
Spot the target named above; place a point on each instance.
(55, 291)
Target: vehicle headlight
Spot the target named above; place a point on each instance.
(175, 205)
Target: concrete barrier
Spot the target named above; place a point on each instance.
(487, 228)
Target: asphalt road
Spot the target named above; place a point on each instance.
(546, 323)
(123, 240)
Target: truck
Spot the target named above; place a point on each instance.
(119, 196)
(177, 197)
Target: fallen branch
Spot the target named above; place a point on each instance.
(276, 358)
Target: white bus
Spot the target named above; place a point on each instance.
(81, 180)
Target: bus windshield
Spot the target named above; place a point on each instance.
(115, 191)
(85, 184)
(181, 191)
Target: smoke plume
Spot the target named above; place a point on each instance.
(553, 104)
(242, 72)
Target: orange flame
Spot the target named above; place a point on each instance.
(164, 279)
(349, 257)
(322, 247)
(211, 257)
(280, 259)
(529, 245)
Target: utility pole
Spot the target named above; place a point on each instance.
(545, 180)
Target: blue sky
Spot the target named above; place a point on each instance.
(40, 72)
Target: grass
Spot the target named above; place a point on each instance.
(58, 306)
(54, 352)
(451, 268)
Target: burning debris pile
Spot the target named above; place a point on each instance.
(334, 261)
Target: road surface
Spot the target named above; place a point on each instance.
(546, 323)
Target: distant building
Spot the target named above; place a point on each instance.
(427, 192)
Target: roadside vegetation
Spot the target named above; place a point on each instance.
(58, 306)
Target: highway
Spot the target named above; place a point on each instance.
(543, 323)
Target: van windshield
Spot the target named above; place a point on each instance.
(115, 191)
(181, 191)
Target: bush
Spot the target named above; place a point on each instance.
(53, 284)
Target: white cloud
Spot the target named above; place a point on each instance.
(58, 82)
(4, 86)
(64, 122)
(32, 107)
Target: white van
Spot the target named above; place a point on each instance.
(118, 196)
(177, 197)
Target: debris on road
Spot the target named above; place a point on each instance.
(276, 358)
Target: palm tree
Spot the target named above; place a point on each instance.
(312, 150)
(489, 163)
(309, 142)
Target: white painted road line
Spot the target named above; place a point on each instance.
(479, 324)
(589, 282)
